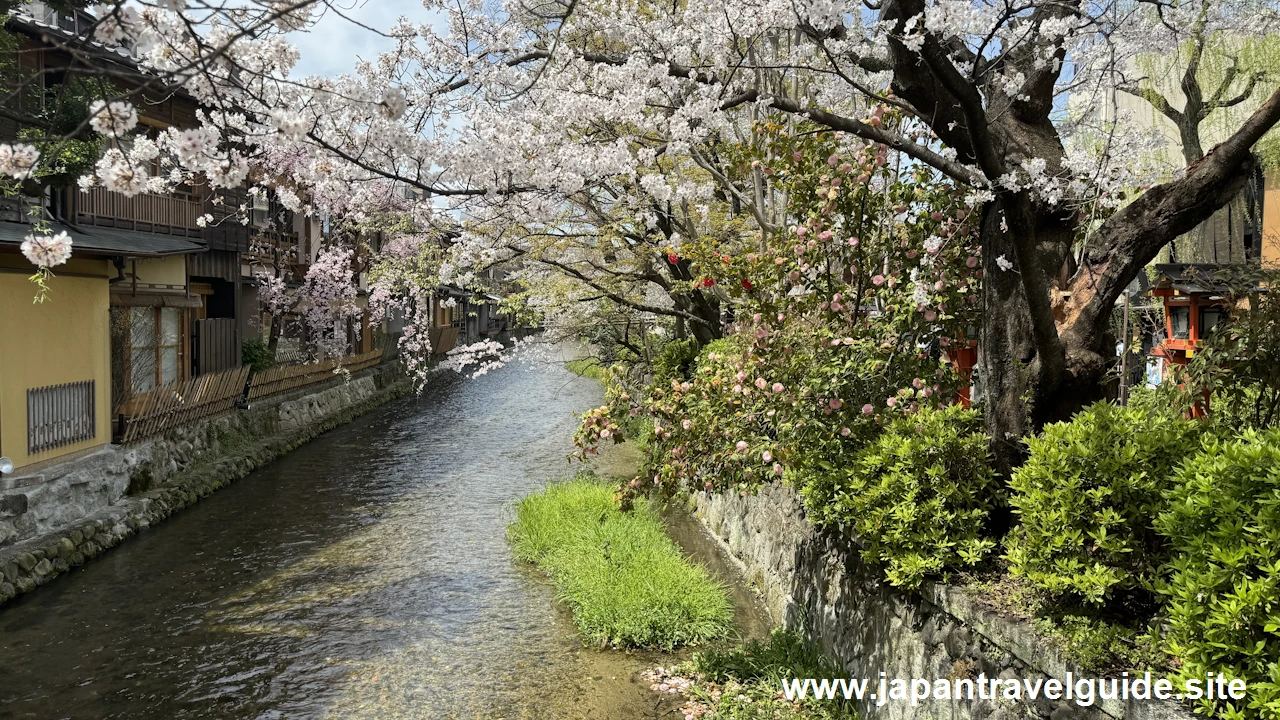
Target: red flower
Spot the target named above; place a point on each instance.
(673, 258)
(746, 284)
(708, 282)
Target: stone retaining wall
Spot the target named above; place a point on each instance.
(818, 583)
(57, 519)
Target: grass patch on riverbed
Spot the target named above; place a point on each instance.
(625, 580)
(586, 367)
(747, 682)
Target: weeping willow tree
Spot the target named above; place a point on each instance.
(1198, 95)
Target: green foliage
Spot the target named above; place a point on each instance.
(786, 654)
(1239, 363)
(1223, 584)
(675, 361)
(917, 497)
(1087, 496)
(256, 354)
(626, 581)
(743, 683)
(1103, 646)
(588, 367)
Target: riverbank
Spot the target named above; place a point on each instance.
(365, 575)
(153, 481)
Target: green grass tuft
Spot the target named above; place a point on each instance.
(625, 580)
(586, 367)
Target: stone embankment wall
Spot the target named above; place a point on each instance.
(56, 519)
(817, 582)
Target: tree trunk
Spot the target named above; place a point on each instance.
(1029, 375)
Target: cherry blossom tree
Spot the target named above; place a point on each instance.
(530, 118)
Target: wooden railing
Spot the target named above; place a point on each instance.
(284, 378)
(181, 403)
(174, 214)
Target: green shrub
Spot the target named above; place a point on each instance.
(1223, 582)
(625, 580)
(256, 354)
(1087, 496)
(675, 361)
(917, 497)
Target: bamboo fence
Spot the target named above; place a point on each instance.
(283, 378)
(182, 403)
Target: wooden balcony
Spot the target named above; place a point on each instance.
(172, 214)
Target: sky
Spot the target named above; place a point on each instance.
(331, 46)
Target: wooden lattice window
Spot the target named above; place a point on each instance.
(59, 415)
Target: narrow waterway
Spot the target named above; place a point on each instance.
(366, 575)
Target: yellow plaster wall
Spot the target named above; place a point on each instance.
(1271, 221)
(65, 339)
(159, 271)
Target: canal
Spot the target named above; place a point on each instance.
(365, 575)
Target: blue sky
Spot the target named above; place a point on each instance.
(331, 46)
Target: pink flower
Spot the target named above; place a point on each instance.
(801, 231)
(742, 446)
(844, 432)
(917, 383)
(891, 401)
(824, 235)
(836, 403)
(868, 409)
(762, 383)
(877, 280)
(686, 424)
(853, 242)
(930, 316)
(777, 468)
(777, 387)
(766, 456)
(972, 262)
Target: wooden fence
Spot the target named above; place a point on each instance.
(283, 378)
(181, 403)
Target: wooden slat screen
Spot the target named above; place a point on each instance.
(147, 212)
(217, 347)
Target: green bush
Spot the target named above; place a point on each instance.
(1223, 582)
(256, 354)
(917, 497)
(1087, 497)
(625, 580)
(675, 361)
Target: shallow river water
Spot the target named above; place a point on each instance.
(365, 575)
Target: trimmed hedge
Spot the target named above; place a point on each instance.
(1223, 586)
(1087, 498)
(917, 497)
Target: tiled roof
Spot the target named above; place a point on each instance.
(107, 242)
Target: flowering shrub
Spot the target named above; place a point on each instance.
(1223, 588)
(1087, 497)
(843, 321)
(917, 497)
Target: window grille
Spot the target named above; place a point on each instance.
(59, 415)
